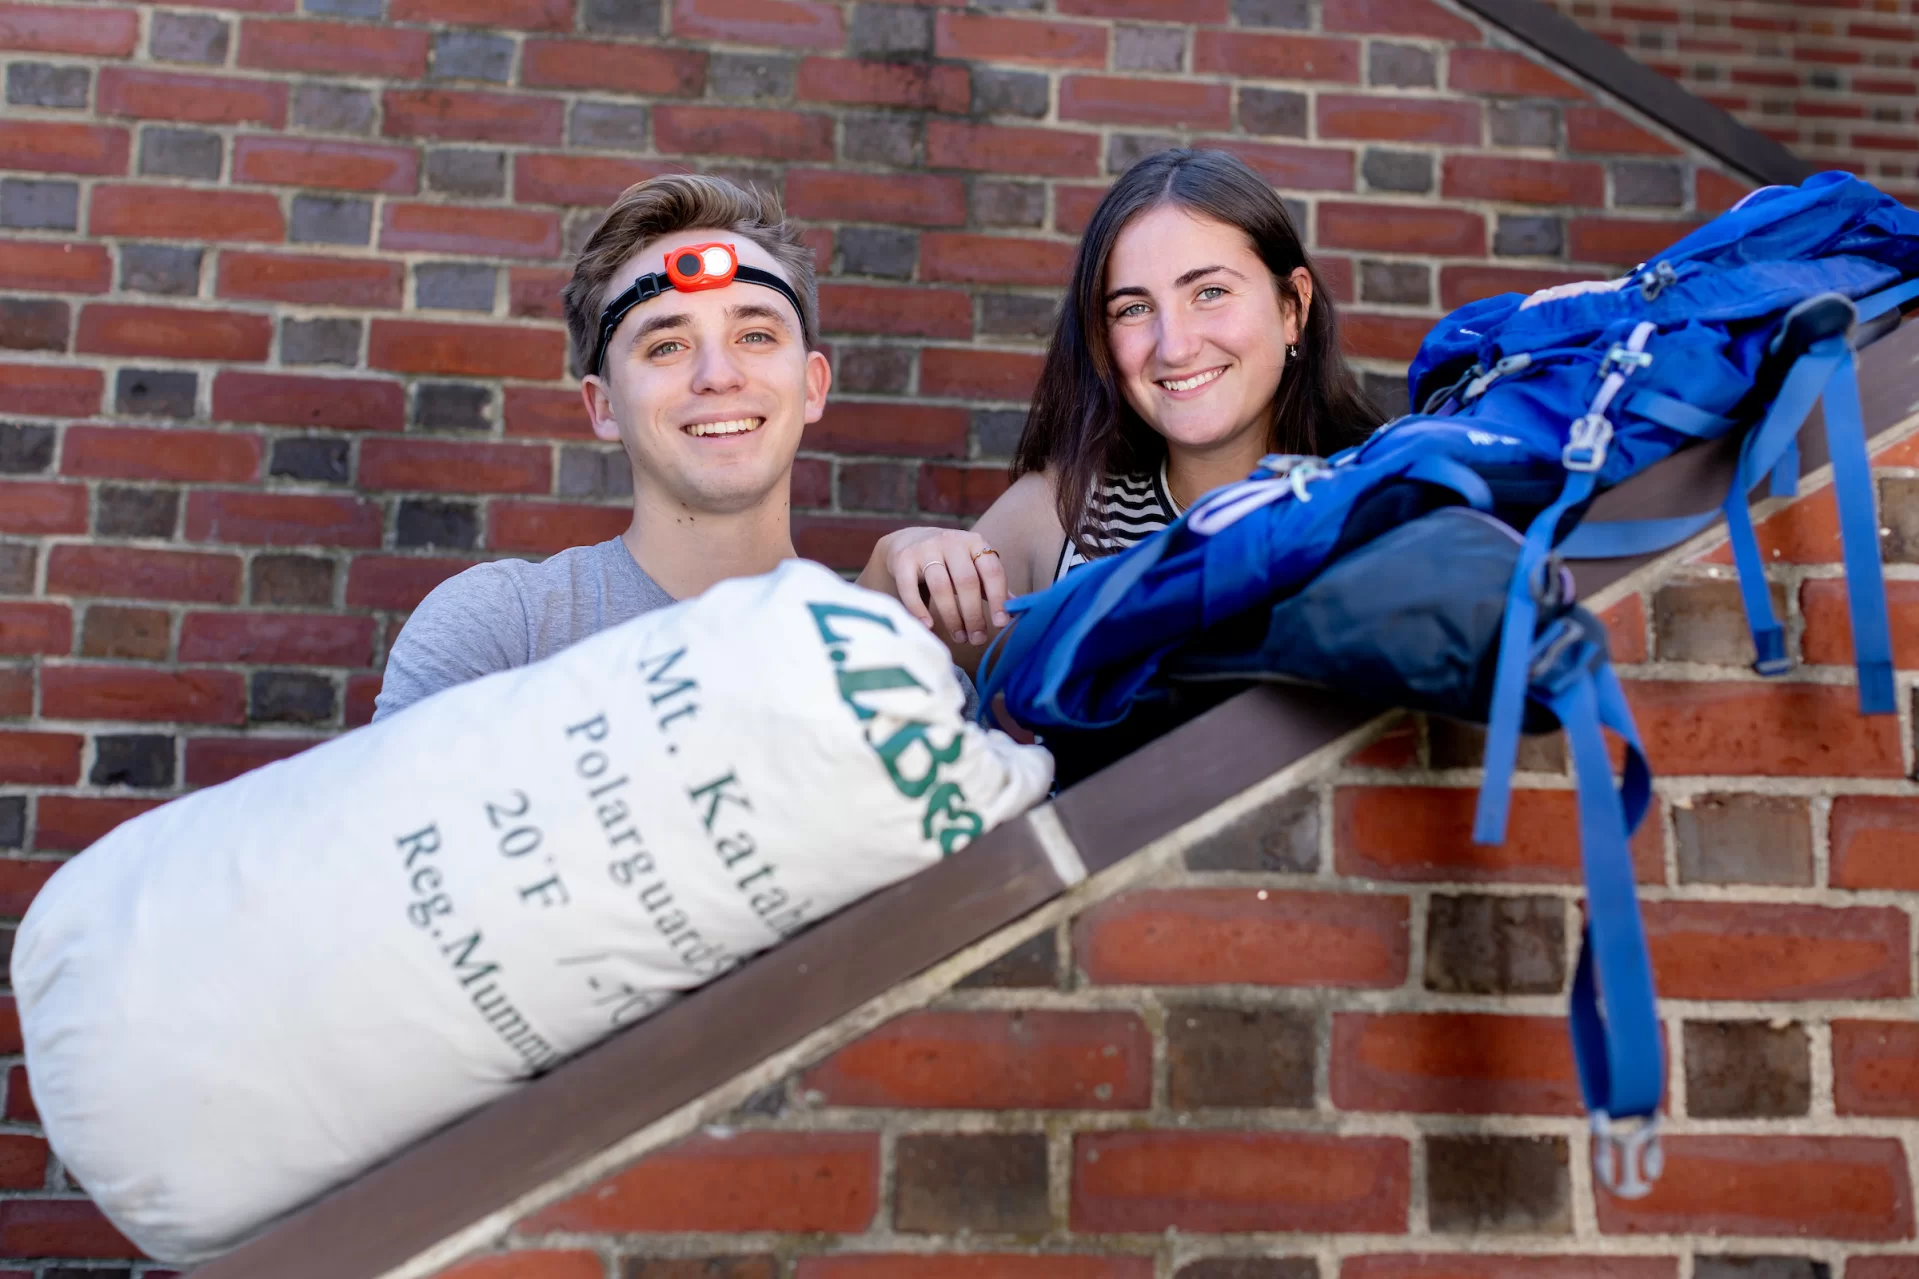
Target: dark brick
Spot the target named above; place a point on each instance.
(1386, 170)
(579, 229)
(1405, 283)
(1274, 112)
(24, 449)
(291, 580)
(34, 324)
(591, 472)
(623, 17)
(881, 139)
(327, 108)
(1386, 392)
(1483, 945)
(156, 393)
(1124, 150)
(757, 1266)
(1705, 1267)
(993, 1183)
(1899, 512)
(42, 84)
(462, 172)
(763, 76)
(328, 219)
(132, 759)
(1294, 14)
(1239, 1057)
(994, 203)
(452, 406)
(1022, 93)
(160, 268)
(471, 55)
(1401, 66)
(115, 630)
(1031, 965)
(1704, 621)
(890, 31)
(180, 153)
(882, 251)
(610, 126)
(187, 37)
(1452, 744)
(1250, 1268)
(345, 8)
(33, 205)
(121, 511)
(290, 697)
(1747, 1070)
(1017, 314)
(874, 370)
(313, 457)
(1498, 1185)
(1523, 124)
(1149, 48)
(1529, 236)
(997, 431)
(17, 566)
(429, 522)
(1743, 839)
(454, 286)
(13, 821)
(876, 486)
(325, 341)
(1280, 836)
(1648, 184)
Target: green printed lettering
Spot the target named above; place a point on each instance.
(822, 613)
(656, 668)
(714, 793)
(875, 680)
(914, 733)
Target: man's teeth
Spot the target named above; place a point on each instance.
(737, 426)
(1188, 383)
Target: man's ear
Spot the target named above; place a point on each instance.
(819, 380)
(1302, 281)
(599, 408)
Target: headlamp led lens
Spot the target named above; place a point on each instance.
(702, 266)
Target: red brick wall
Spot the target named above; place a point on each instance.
(1837, 82)
(1331, 1044)
(278, 335)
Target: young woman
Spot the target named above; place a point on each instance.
(1194, 338)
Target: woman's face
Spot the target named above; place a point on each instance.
(1196, 328)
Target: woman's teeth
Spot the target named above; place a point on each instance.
(737, 426)
(1188, 383)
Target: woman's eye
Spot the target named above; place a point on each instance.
(1210, 292)
(1130, 310)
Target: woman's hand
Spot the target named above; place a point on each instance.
(949, 579)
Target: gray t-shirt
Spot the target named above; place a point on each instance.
(509, 613)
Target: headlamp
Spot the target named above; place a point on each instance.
(689, 270)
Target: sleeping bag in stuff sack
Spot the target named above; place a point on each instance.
(242, 998)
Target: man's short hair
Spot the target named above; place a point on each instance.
(663, 206)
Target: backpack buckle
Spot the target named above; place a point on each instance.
(1625, 359)
(1655, 281)
(1586, 443)
(1627, 1157)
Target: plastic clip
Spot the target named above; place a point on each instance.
(1586, 443)
(1510, 364)
(1625, 359)
(1655, 281)
(1627, 1156)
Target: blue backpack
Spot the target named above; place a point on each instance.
(1423, 568)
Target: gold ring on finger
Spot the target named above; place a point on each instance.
(988, 551)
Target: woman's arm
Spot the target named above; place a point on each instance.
(947, 579)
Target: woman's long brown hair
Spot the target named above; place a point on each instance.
(1080, 425)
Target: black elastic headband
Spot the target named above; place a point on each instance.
(651, 286)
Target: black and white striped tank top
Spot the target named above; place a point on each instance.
(1133, 507)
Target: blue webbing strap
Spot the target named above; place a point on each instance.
(1612, 1017)
(1858, 532)
(1874, 305)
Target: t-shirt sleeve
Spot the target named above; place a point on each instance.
(470, 625)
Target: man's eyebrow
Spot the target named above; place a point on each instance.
(654, 323)
(1197, 273)
(758, 311)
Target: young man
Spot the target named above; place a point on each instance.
(707, 378)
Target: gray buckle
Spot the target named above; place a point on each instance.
(1627, 1157)
(1586, 443)
(1625, 359)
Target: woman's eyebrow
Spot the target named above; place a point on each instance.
(1197, 273)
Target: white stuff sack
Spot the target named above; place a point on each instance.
(251, 994)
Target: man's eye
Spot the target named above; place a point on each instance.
(759, 336)
(672, 346)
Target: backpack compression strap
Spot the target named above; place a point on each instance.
(1613, 1019)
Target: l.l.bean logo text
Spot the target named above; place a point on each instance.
(911, 757)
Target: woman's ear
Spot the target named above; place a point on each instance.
(1302, 281)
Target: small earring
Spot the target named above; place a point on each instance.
(1292, 351)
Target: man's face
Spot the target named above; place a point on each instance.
(709, 391)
